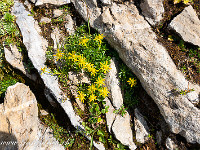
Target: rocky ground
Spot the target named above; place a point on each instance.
(100, 74)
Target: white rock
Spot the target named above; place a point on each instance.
(19, 118)
(106, 2)
(69, 26)
(127, 31)
(152, 10)
(187, 25)
(113, 84)
(110, 116)
(122, 130)
(57, 13)
(141, 128)
(170, 144)
(78, 78)
(53, 2)
(45, 20)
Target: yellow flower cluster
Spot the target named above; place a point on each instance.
(99, 38)
(105, 67)
(83, 41)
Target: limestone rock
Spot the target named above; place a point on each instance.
(57, 13)
(113, 84)
(170, 144)
(69, 26)
(45, 20)
(52, 2)
(141, 128)
(127, 31)
(110, 116)
(159, 137)
(19, 118)
(36, 52)
(15, 58)
(152, 10)
(77, 78)
(122, 130)
(187, 25)
(106, 2)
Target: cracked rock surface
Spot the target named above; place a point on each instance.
(127, 31)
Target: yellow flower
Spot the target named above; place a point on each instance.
(83, 41)
(132, 82)
(104, 92)
(105, 67)
(81, 61)
(90, 68)
(73, 56)
(92, 97)
(99, 38)
(100, 81)
(186, 1)
(92, 88)
(93, 71)
(81, 96)
(58, 55)
(43, 70)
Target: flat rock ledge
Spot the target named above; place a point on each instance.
(127, 31)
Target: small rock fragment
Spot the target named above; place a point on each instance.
(57, 13)
(152, 10)
(159, 137)
(69, 26)
(52, 2)
(187, 25)
(45, 20)
(141, 128)
(170, 144)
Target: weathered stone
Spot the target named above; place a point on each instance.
(113, 84)
(52, 2)
(19, 117)
(159, 137)
(110, 116)
(152, 10)
(170, 144)
(187, 25)
(14, 58)
(69, 26)
(127, 31)
(122, 130)
(106, 2)
(57, 13)
(36, 52)
(141, 128)
(78, 78)
(45, 20)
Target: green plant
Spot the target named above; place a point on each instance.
(184, 1)
(121, 111)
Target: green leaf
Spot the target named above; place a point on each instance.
(100, 133)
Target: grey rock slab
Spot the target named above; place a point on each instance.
(34, 44)
(110, 116)
(122, 130)
(159, 137)
(170, 144)
(141, 127)
(127, 31)
(106, 2)
(113, 84)
(52, 2)
(152, 10)
(187, 25)
(69, 26)
(19, 118)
